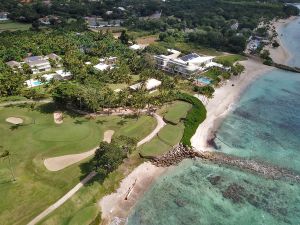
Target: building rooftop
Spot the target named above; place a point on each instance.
(33, 58)
(149, 85)
(38, 62)
(101, 66)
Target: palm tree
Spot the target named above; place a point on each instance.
(6, 155)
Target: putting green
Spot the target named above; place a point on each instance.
(36, 188)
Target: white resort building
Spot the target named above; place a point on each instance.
(186, 65)
(39, 66)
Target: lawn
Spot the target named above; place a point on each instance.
(88, 196)
(39, 138)
(176, 112)
(171, 134)
(13, 26)
(229, 59)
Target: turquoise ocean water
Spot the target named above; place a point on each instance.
(264, 125)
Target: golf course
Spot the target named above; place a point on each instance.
(26, 186)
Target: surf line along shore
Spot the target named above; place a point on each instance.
(114, 207)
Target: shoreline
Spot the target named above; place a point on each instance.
(281, 54)
(218, 107)
(225, 97)
(114, 207)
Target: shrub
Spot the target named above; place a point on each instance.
(195, 116)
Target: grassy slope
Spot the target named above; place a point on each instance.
(36, 188)
(13, 26)
(90, 195)
(177, 111)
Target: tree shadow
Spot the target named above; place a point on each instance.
(15, 127)
(86, 168)
(47, 108)
(131, 116)
(79, 122)
(101, 121)
(122, 122)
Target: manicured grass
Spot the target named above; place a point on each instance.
(176, 112)
(38, 138)
(187, 48)
(13, 26)
(85, 215)
(117, 86)
(169, 136)
(229, 59)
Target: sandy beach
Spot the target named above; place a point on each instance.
(280, 54)
(223, 102)
(115, 207)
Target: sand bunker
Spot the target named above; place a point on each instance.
(14, 120)
(58, 117)
(61, 162)
(108, 135)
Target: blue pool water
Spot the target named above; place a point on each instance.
(204, 80)
(36, 83)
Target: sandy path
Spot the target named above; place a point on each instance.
(223, 101)
(114, 206)
(62, 200)
(61, 162)
(159, 126)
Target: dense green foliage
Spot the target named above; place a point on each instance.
(195, 116)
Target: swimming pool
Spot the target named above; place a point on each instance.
(36, 83)
(204, 80)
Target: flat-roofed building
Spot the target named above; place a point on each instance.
(150, 85)
(39, 66)
(187, 65)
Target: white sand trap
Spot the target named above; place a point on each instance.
(61, 162)
(58, 117)
(108, 135)
(14, 120)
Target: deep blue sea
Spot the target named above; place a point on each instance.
(264, 125)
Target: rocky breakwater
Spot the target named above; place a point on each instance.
(180, 152)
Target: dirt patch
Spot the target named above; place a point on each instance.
(108, 135)
(147, 40)
(14, 120)
(58, 117)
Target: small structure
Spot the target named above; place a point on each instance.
(102, 67)
(65, 75)
(136, 47)
(14, 65)
(4, 16)
(53, 56)
(150, 85)
(107, 63)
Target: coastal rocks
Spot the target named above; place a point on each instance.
(173, 157)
